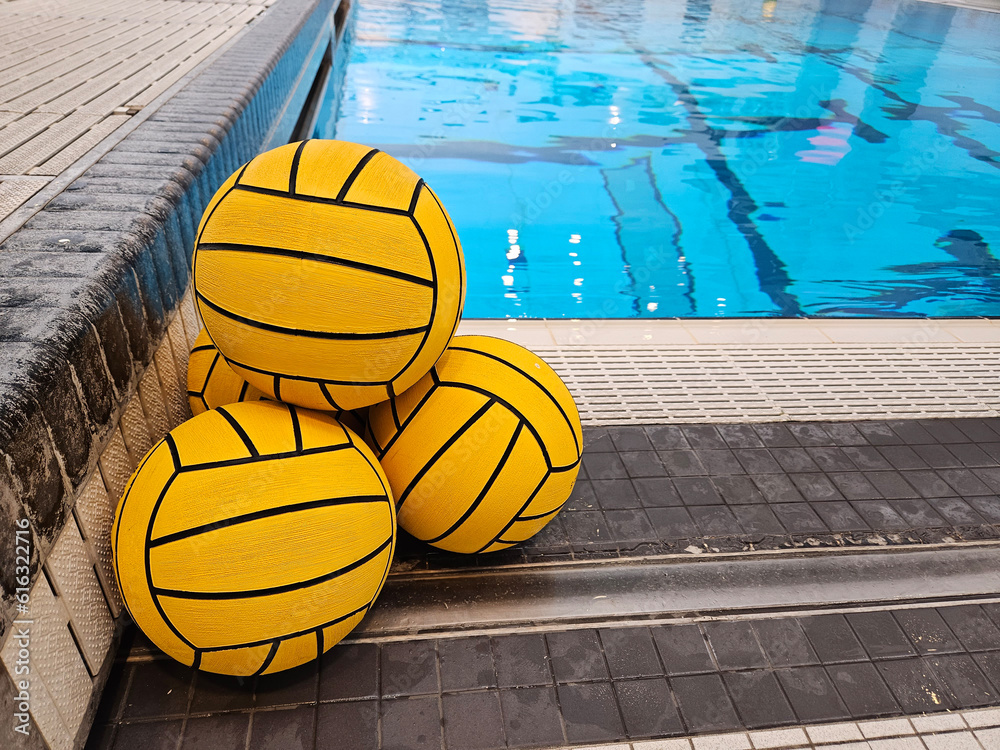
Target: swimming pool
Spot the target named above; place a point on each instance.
(661, 158)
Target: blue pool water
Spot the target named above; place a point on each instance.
(663, 158)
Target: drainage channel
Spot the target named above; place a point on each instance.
(572, 595)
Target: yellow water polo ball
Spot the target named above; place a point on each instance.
(212, 382)
(328, 274)
(483, 451)
(253, 537)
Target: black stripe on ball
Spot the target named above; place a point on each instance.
(440, 451)
(269, 658)
(222, 463)
(304, 378)
(317, 257)
(293, 173)
(486, 488)
(434, 300)
(346, 187)
(516, 516)
(175, 456)
(271, 590)
(333, 335)
(240, 432)
(541, 387)
(265, 513)
(317, 199)
(289, 636)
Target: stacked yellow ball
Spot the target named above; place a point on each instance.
(330, 279)
(483, 451)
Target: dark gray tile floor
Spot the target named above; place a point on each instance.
(642, 491)
(569, 687)
(731, 487)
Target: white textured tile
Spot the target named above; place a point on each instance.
(72, 571)
(620, 333)
(951, 741)
(181, 314)
(153, 406)
(57, 657)
(944, 722)
(47, 718)
(618, 746)
(174, 398)
(116, 465)
(755, 331)
(779, 738)
(135, 430)
(885, 728)
(826, 734)
(722, 742)
(738, 331)
(55, 662)
(988, 738)
(192, 323)
(181, 351)
(674, 744)
(885, 332)
(527, 333)
(848, 746)
(43, 708)
(984, 717)
(974, 332)
(897, 743)
(97, 515)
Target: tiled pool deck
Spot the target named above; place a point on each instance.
(653, 490)
(660, 489)
(705, 441)
(593, 686)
